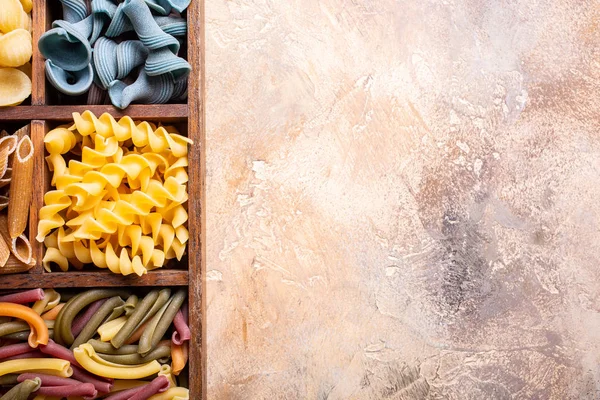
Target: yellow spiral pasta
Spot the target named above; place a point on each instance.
(60, 140)
(50, 215)
(119, 202)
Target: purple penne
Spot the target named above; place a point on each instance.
(28, 296)
(48, 380)
(124, 394)
(14, 350)
(158, 385)
(56, 350)
(103, 385)
(31, 354)
(83, 319)
(82, 389)
(182, 330)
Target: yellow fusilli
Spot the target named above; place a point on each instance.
(120, 200)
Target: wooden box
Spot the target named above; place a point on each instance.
(40, 112)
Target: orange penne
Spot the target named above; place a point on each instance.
(179, 357)
(51, 315)
(39, 330)
(20, 188)
(137, 334)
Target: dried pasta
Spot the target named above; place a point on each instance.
(27, 5)
(120, 202)
(13, 16)
(6, 178)
(20, 246)
(87, 357)
(59, 367)
(90, 365)
(21, 258)
(8, 144)
(15, 86)
(20, 188)
(16, 49)
(4, 252)
(174, 393)
(3, 202)
(13, 266)
(39, 331)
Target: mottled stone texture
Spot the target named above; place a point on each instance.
(403, 199)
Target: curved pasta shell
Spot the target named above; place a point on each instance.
(26, 68)
(15, 86)
(27, 5)
(15, 48)
(12, 16)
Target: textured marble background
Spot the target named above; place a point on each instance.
(403, 199)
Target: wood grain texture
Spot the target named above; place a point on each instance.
(38, 130)
(197, 243)
(38, 75)
(93, 279)
(45, 116)
(162, 112)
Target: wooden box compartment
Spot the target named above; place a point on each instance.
(54, 97)
(179, 124)
(68, 292)
(13, 265)
(43, 114)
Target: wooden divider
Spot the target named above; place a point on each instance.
(43, 116)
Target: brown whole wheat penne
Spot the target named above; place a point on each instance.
(3, 202)
(14, 266)
(4, 252)
(20, 188)
(24, 131)
(5, 180)
(8, 144)
(20, 247)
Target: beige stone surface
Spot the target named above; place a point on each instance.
(403, 199)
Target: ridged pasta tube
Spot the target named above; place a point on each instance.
(39, 330)
(87, 357)
(175, 393)
(23, 390)
(58, 366)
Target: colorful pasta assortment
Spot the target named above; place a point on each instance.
(51, 346)
(122, 52)
(120, 195)
(16, 48)
(16, 174)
